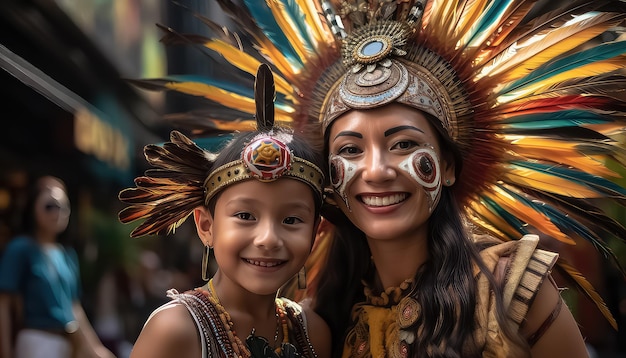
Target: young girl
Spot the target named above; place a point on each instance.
(258, 210)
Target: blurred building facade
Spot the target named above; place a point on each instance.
(69, 111)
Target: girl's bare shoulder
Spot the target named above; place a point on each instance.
(169, 332)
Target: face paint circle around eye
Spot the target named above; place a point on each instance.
(425, 167)
(341, 172)
(337, 171)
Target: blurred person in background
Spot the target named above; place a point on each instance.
(40, 311)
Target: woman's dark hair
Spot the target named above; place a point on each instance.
(445, 285)
(303, 145)
(28, 223)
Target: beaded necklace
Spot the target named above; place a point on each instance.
(385, 322)
(257, 346)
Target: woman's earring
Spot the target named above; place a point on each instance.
(205, 263)
(448, 182)
(302, 278)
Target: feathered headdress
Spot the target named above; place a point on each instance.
(183, 177)
(535, 101)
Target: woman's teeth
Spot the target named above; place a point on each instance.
(383, 200)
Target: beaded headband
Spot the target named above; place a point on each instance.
(266, 158)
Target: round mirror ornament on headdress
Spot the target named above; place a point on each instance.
(266, 158)
(382, 70)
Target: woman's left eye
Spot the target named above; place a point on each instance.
(405, 144)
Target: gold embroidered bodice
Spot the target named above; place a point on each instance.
(381, 321)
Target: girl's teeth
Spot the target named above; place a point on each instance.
(263, 263)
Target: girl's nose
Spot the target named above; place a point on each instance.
(268, 236)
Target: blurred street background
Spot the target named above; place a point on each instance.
(67, 110)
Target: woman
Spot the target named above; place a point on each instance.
(428, 288)
(456, 131)
(402, 133)
(43, 276)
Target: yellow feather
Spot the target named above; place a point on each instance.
(449, 17)
(232, 126)
(314, 21)
(495, 25)
(561, 152)
(528, 215)
(490, 229)
(588, 289)
(226, 98)
(539, 49)
(592, 69)
(286, 24)
(274, 56)
(616, 131)
(471, 10)
(495, 222)
(246, 63)
(550, 183)
(556, 43)
(440, 9)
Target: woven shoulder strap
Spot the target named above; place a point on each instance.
(526, 270)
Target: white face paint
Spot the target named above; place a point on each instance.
(423, 166)
(341, 171)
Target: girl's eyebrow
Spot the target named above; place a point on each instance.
(348, 134)
(393, 130)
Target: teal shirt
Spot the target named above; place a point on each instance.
(47, 279)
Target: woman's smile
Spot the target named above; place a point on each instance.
(382, 200)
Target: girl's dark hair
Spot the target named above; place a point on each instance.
(305, 144)
(445, 286)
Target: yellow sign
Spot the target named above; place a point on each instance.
(96, 137)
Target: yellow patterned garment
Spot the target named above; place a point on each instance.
(520, 265)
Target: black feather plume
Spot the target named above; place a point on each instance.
(264, 95)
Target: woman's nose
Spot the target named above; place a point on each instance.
(378, 168)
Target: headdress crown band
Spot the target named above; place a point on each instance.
(266, 158)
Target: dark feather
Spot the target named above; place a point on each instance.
(585, 212)
(150, 84)
(215, 28)
(167, 194)
(264, 94)
(553, 19)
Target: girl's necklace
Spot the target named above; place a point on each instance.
(228, 323)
